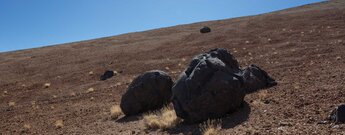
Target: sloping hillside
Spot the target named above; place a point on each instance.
(302, 48)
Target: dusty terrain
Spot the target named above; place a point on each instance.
(302, 48)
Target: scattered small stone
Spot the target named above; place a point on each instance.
(167, 68)
(335, 126)
(11, 104)
(54, 96)
(281, 123)
(73, 94)
(91, 73)
(46, 85)
(90, 90)
(59, 124)
(107, 74)
(269, 40)
(338, 58)
(247, 42)
(118, 84)
(115, 72)
(322, 122)
(205, 29)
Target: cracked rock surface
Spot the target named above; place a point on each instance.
(214, 85)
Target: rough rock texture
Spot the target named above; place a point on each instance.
(107, 74)
(149, 91)
(214, 85)
(338, 114)
(255, 78)
(205, 29)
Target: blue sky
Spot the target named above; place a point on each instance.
(34, 23)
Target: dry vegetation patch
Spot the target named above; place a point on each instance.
(163, 119)
(115, 112)
(59, 124)
(210, 127)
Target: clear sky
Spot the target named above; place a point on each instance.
(34, 23)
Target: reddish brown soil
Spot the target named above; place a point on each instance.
(302, 48)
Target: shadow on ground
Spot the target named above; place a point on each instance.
(128, 119)
(236, 118)
(229, 121)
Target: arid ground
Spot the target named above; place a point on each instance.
(303, 48)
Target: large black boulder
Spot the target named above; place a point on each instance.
(214, 85)
(149, 91)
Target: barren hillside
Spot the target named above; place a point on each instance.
(302, 48)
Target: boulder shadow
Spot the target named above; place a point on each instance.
(229, 121)
(125, 119)
(237, 117)
(185, 128)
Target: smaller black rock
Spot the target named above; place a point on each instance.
(338, 114)
(107, 74)
(205, 29)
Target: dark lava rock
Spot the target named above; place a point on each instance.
(149, 91)
(214, 85)
(205, 29)
(107, 74)
(338, 114)
(255, 78)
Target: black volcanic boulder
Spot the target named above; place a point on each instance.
(107, 74)
(149, 91)
(205, 29)
(214, 85)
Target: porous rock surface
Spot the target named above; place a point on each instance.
(149, 91)
(214, 85)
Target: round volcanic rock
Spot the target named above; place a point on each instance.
(149, 91)
(214, 85)
(107, 74)
(205, 29)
